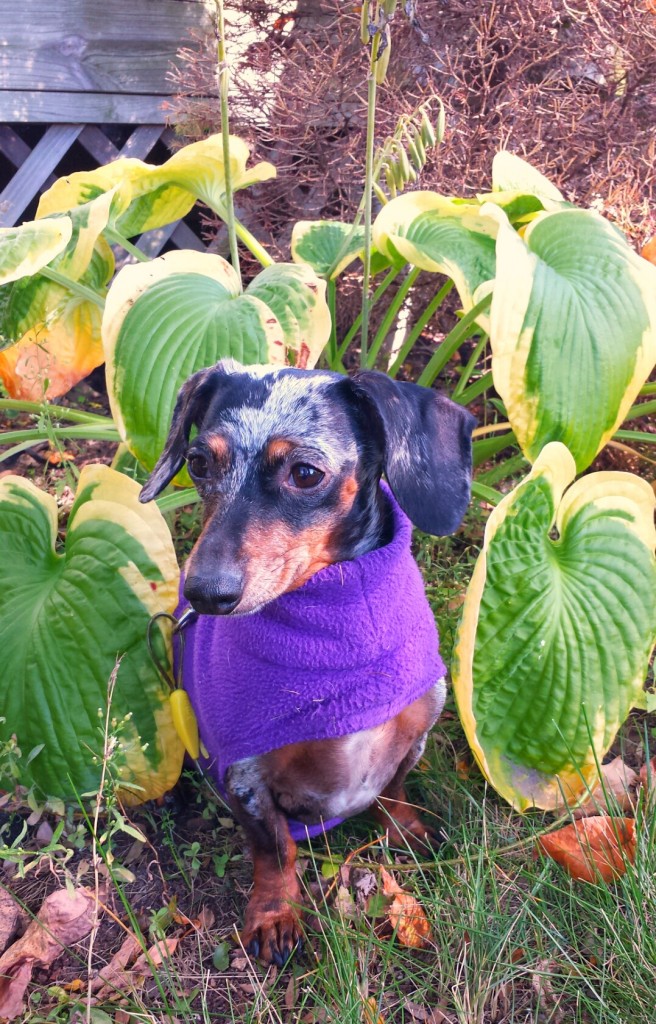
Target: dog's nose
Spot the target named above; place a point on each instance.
(218, 594)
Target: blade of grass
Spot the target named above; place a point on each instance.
(416, 331)
(453, 341)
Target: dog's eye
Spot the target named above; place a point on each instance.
(198, 466)
(304, 476)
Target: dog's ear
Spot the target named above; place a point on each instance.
(191, 404)
(428, 454)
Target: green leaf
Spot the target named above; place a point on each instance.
(329, 246)
(170, 317)
(27, 248)
(557, 630)
(66, 616)
(221, 957)
(152, 196)
(572, 330)
(446, 236)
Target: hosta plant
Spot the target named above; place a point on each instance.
(557, 630)
(69, 612)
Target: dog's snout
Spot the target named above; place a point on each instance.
(218, 594)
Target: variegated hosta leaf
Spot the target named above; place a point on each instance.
(160, 195)
(512, 174)
(66, 615)
(56, 333)
(557, 630)
(447, 236)
(572, 329)
(166, 319)
(327, 245)
(27, 248)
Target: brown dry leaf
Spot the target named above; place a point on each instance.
(56, 458)
(206, 918)
(406, 914)
(593, 849)
(155, 957)
(110, 977)
(618, 784)
(290, 993)
(62, 920)
(10, 915)
(543, 988)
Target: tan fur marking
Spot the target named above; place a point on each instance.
(279, 560)
(218, 446)
(278, 449)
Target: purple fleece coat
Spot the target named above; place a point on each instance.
(346, 651)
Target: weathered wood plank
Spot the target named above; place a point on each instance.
(35, 170)
(126, 46)
(82, 108)
(12, 146)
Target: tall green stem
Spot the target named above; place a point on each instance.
(117, 239)
(428, 313)
(251, 243)
(73, 286)
(368, 190)
(391, 314)
(391, 275)
(57, 412)
(224, 81)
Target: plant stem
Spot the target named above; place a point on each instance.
(471, 365)
(26, 438)
(118, 239)
(488, 494)
(73, 286)
(170, 502)
(224, 80)
(475, 389)
(368, 189)
(641, 409)
(331, 292)
(391, 314)
(428, 313)
(453, 341)
(491, 428)
(61, 412)
(391, 275)
(251, 243)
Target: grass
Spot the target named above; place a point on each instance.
(513, 938)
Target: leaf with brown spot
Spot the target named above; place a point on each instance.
(406, 915)
(64, 918)
(617, 787)
(593, 849)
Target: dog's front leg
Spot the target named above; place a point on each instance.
(272, 926)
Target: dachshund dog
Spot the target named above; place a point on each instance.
(313, 665)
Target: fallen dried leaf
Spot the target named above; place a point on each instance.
(542, 986)
(109, 978)
(617, 787)
(593, 849)
(206, 918)
(9, 918)
(406, 914)
(290, 993)
(63, 919)
(416, 1011)
(155, 957)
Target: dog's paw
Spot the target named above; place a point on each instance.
(272, 931)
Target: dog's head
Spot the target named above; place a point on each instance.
(287, 464)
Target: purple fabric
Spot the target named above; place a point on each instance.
(346, 651)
